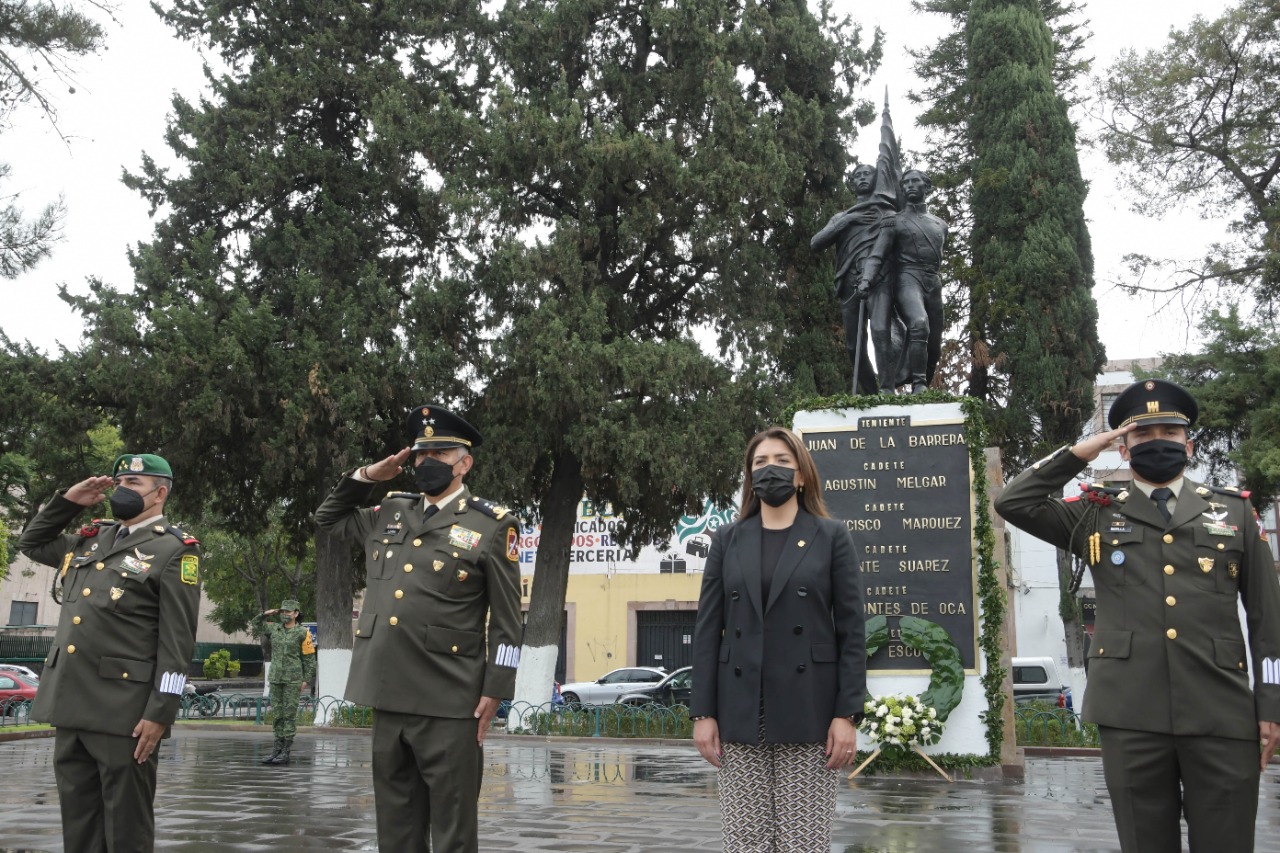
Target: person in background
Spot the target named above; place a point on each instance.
(293, 667)
(779, 655)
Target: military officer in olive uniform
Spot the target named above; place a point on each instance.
(1169, 668)
(439, 563)
(293, 667)
(112, 683)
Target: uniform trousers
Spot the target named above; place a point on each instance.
(426, 782)
(776, 798)
(285, 696)
(1154, 779)
(105, 795)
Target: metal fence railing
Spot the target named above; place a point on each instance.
(1041, 724)
(1034, 725)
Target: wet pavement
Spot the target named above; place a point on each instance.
(604, 797)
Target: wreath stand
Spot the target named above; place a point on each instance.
(873, 756)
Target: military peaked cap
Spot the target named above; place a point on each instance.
(1153, 401)
(433, 427)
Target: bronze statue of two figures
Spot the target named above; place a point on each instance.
(888, 252)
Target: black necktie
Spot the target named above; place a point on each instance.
(120, 534)
(1161, 497)
(432, 509)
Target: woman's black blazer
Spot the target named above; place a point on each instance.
(803, 650)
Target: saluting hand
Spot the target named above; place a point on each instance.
(388, 468)
(89, 492)
(1089, 449)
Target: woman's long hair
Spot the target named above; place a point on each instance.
(810, 495)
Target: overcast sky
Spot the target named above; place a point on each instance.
(122, 99)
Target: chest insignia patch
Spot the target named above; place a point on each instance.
(116, 593)
(1233, 570)
(134, 565)
(437, 565)
(392, 529)
(1206, 564)
(137, 552)
(1117, 558)
(93, 547)
(1120, 527)
(461, 537)
(462, 574)
(376, 552)
(1216, 529)
(397, 518)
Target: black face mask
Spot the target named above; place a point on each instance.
(774, 484)
(126, 503)
(433, 476)
(1158, 460)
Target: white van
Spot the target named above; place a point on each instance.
(1036, 678)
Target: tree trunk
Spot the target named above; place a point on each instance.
(333, 615)
(541, 644)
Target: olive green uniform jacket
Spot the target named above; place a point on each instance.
(128, 624)
(293, 655)
(1168, 655)
(421, 644)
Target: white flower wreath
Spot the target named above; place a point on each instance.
(900, 720)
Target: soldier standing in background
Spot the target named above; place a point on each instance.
(293, 667)
(438, 639)
(112, 683)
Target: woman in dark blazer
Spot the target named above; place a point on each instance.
(779, 655)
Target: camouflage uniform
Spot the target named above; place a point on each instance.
(293, 663)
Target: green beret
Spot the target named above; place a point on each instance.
(290, 604)
(141, 463)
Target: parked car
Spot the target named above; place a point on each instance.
(611, 685)
(1036, 679)
(14, 690)
(21, 670)
(675, 689)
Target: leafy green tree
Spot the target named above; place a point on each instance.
(1195, 122)
(947, 101)
(245, 575)
(50, 436)
(645, 169)
(296, 297)
(38, 41)
(1032, 285)
(1236, 381)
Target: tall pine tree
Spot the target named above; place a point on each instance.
(1032, 286)
(946, 100)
